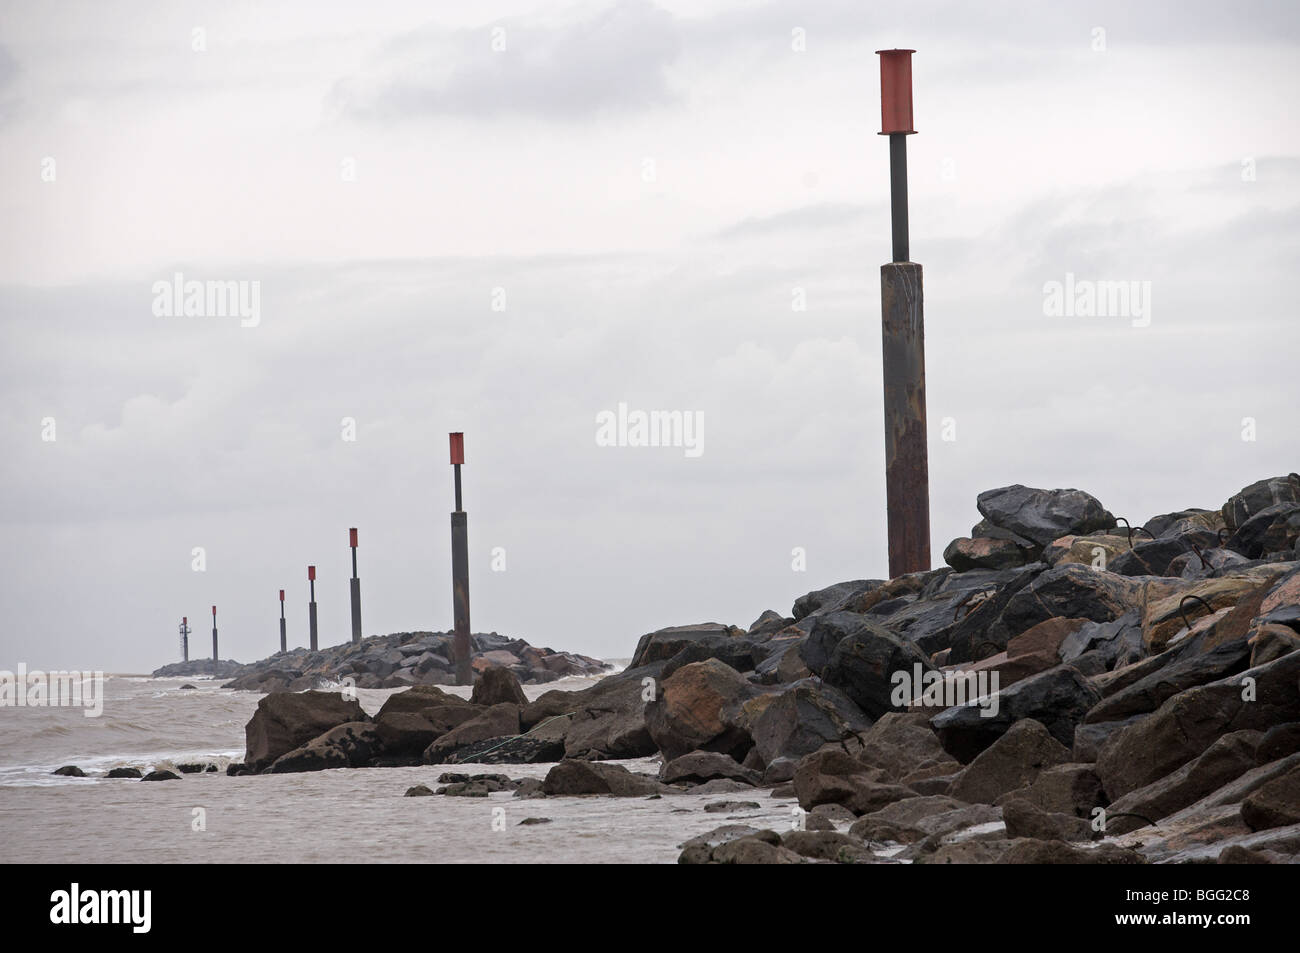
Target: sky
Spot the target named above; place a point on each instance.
(510, 218)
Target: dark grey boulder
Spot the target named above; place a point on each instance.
(863, 666)
(1042, 516)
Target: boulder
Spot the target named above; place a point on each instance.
(964, 554)
(1029, 851)
(350, 745)
(571, 778)
(663, 644)
(1149, 693)
(802, 718)
(1013, 761)
(1069, 788)
(1276, 804)
(495, 722)
(69, 771)
(285, 721)
(1191, 721)
(837, 594)
(1273, 529)
(701, 766)
(1025, 819)
(695, 708)
(1245, 503)
(1278, 742)
(161, 776)
(828, 845)
(863, 666)
(497, 685)
(832, 776)
(606, 721)
(905, 748)
(1058, 699)
(1228, 758)
(1042, 516)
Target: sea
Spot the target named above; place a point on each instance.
(357, 815)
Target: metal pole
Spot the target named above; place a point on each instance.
(215, 656)
(902, 325)
(185, 638)
(356, 588)
(460, 571)
(284, 642)
(311, 606)
(898, 194)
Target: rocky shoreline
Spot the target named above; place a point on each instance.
(1065, 691)
(400, 660)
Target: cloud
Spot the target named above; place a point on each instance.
(821, 215)
(594, 62)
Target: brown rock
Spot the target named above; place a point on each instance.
(1010, 763)
(497, 685)
(1276, 804)
(695, 709)
(285, 721)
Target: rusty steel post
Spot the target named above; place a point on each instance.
(356, 588)
(185, 638)
(215, 656)
(902, 326)
(311, 606)
(284, 642)
(460, 572)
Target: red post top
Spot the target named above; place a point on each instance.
(352, 537)
(282, 595)
(214, 612)
(185, 620)
(457, 447)
(311, 573)
(896, 92)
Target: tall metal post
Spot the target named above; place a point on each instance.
(356, 588)
(907, 470)
(460, 571)
(311, 606)
(215, 656)
(284, 642)
(185, 638)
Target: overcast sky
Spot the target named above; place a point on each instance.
(506, 218)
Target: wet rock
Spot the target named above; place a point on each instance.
(1273, 529)
(495, 686)
(828, 845)
(905, 748)
(801, 719)
(1012, 762)
(1042, 516)
(607, 721)
(493, 723)
(1187, 724)
(1058, 698)
(701, 766)
(1278, 742)
(69, 771)
(750, 850)
(1227, 759)
(1058, 852)
(1069, 788)
(350, 745)
(570, 778)
(1149, 693)
(662, 644)
(1276, 804)
(1074, 591)
(124, 773)
(1026, 819)
(832, 776)
(695, 708)
(284, 721)
(727, 807)
(530, 821)
(419, 790)
(964, 554)
(161, 776)
(863, 664)
(1244, 504)
(837, 594)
